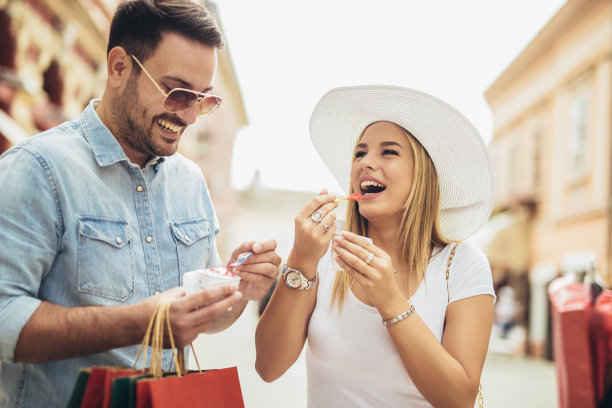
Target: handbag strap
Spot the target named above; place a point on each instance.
(448, 264)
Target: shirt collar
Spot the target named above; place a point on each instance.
(105, 147)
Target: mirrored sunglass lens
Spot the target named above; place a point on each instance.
(178, 100)
(209, 104)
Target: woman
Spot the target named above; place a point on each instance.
(388, 329)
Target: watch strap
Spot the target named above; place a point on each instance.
(306, 284)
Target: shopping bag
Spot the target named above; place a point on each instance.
(93, 388)
(123, 394)
(209, 389)
(153, 387)
(570, 308)
(600, 331)
(79, 389)
(195, 389)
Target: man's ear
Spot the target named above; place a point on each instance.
(119, 68)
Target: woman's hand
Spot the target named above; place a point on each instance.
(314, 228)
(375, 276)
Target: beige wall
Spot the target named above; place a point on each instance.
(534, 102)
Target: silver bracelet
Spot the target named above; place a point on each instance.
(400, 317)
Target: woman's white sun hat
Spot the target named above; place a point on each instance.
(460, 155)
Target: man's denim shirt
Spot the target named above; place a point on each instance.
(82, 225)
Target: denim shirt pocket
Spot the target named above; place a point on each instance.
(193, 240)
(105, 259)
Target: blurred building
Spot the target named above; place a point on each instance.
(552, 152)
(53, 61)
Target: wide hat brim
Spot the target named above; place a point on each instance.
(460, 155)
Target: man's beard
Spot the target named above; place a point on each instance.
(131, 121)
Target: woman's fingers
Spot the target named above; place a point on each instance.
(359, 246)
(356, 260)
(324, 203)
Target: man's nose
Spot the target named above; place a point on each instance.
(190, 114)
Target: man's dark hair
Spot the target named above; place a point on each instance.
(138, 25)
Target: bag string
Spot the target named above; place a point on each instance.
(448, 264)
(154, 338)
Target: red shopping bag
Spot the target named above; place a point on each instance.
(600, 330)
(122, 387)
(570, 310)
(202, 389)
(97, 392)
(209, 389)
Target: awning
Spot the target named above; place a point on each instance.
(11, 130)
(504, 239)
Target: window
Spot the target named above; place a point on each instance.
(578, 141)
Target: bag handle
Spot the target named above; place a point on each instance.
(154, 338)
(448, 264)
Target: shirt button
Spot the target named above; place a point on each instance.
(157, 292)
(118, 240)
(186, 238)
(139, 188)
(149, 240)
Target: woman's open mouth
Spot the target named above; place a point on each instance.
(371, 189)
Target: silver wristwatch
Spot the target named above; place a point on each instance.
(296, 280)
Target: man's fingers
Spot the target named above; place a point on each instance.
(199, 320)
(266, 267)
(264, 246)
(205, 296)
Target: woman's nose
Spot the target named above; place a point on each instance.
(368, 161)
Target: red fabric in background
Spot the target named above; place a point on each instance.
(600, 330)
(570, 310)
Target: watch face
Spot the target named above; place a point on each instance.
(293, 279)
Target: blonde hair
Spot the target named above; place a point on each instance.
(419, 229)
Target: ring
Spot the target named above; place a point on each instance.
(369, 258)
(317, 216)
(324, 225)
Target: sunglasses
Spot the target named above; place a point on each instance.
(179, 99)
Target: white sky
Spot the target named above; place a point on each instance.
(288, 53)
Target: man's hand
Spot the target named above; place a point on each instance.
(193, 314)
(259, 271)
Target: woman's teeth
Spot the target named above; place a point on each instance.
(168, 125)
(370, 186)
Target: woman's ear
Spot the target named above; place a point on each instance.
(119, 68)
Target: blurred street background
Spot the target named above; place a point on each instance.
(535, 78)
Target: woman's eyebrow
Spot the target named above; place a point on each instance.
(383, 144)
(391, 144)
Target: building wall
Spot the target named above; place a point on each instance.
(56, 33)
(552, 129)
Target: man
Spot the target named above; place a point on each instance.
(101, 217)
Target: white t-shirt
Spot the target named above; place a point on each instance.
(352, 361)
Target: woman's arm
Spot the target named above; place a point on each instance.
(446, 374)
(283, 327)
